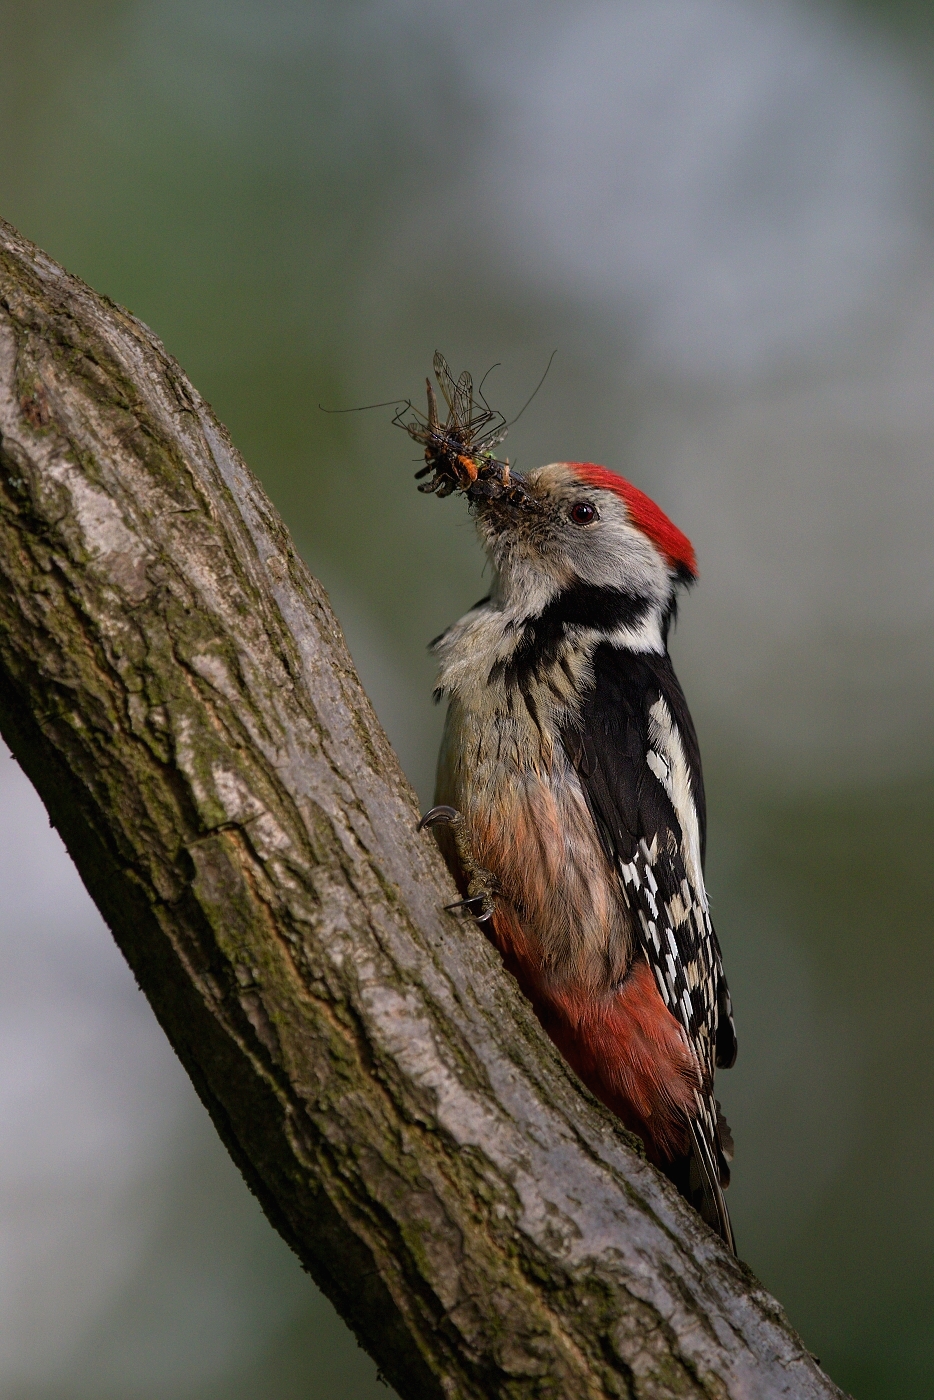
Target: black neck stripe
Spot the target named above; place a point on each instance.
(582, 605)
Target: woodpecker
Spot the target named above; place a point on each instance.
(570, 799)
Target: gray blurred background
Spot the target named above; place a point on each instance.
(720, 212)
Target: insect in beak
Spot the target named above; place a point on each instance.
(459, 452)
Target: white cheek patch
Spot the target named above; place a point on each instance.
(666, 760)
(618, 555)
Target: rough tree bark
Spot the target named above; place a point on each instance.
(175, 685)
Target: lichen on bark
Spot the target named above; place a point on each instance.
(174, 683)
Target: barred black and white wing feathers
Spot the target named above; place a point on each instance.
(637, 757)
(682, 949)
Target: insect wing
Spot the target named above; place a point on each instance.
(491, 439)
(445, 379)
(460, 409)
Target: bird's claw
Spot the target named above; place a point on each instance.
(479, 905)
(439, 815)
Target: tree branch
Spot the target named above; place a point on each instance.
(174, 683)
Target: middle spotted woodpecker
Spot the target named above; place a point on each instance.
(571, 802)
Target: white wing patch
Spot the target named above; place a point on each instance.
(666, 760)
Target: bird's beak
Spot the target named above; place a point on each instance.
(500, 487)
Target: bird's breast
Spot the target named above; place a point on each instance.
(504, 768)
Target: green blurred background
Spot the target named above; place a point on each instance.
(720, 213)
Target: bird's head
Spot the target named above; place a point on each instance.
(577, 526)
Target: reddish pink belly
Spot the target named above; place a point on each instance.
(625, 1045)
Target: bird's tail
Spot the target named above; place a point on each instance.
(703, 1172)
(704, 1189)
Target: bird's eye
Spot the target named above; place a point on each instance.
(582, 512)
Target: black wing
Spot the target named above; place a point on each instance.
(636, 753)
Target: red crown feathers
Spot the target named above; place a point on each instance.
(644, 514)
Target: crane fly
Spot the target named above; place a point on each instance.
(459, 452)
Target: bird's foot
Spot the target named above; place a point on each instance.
(482, 888)
(481, 884)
